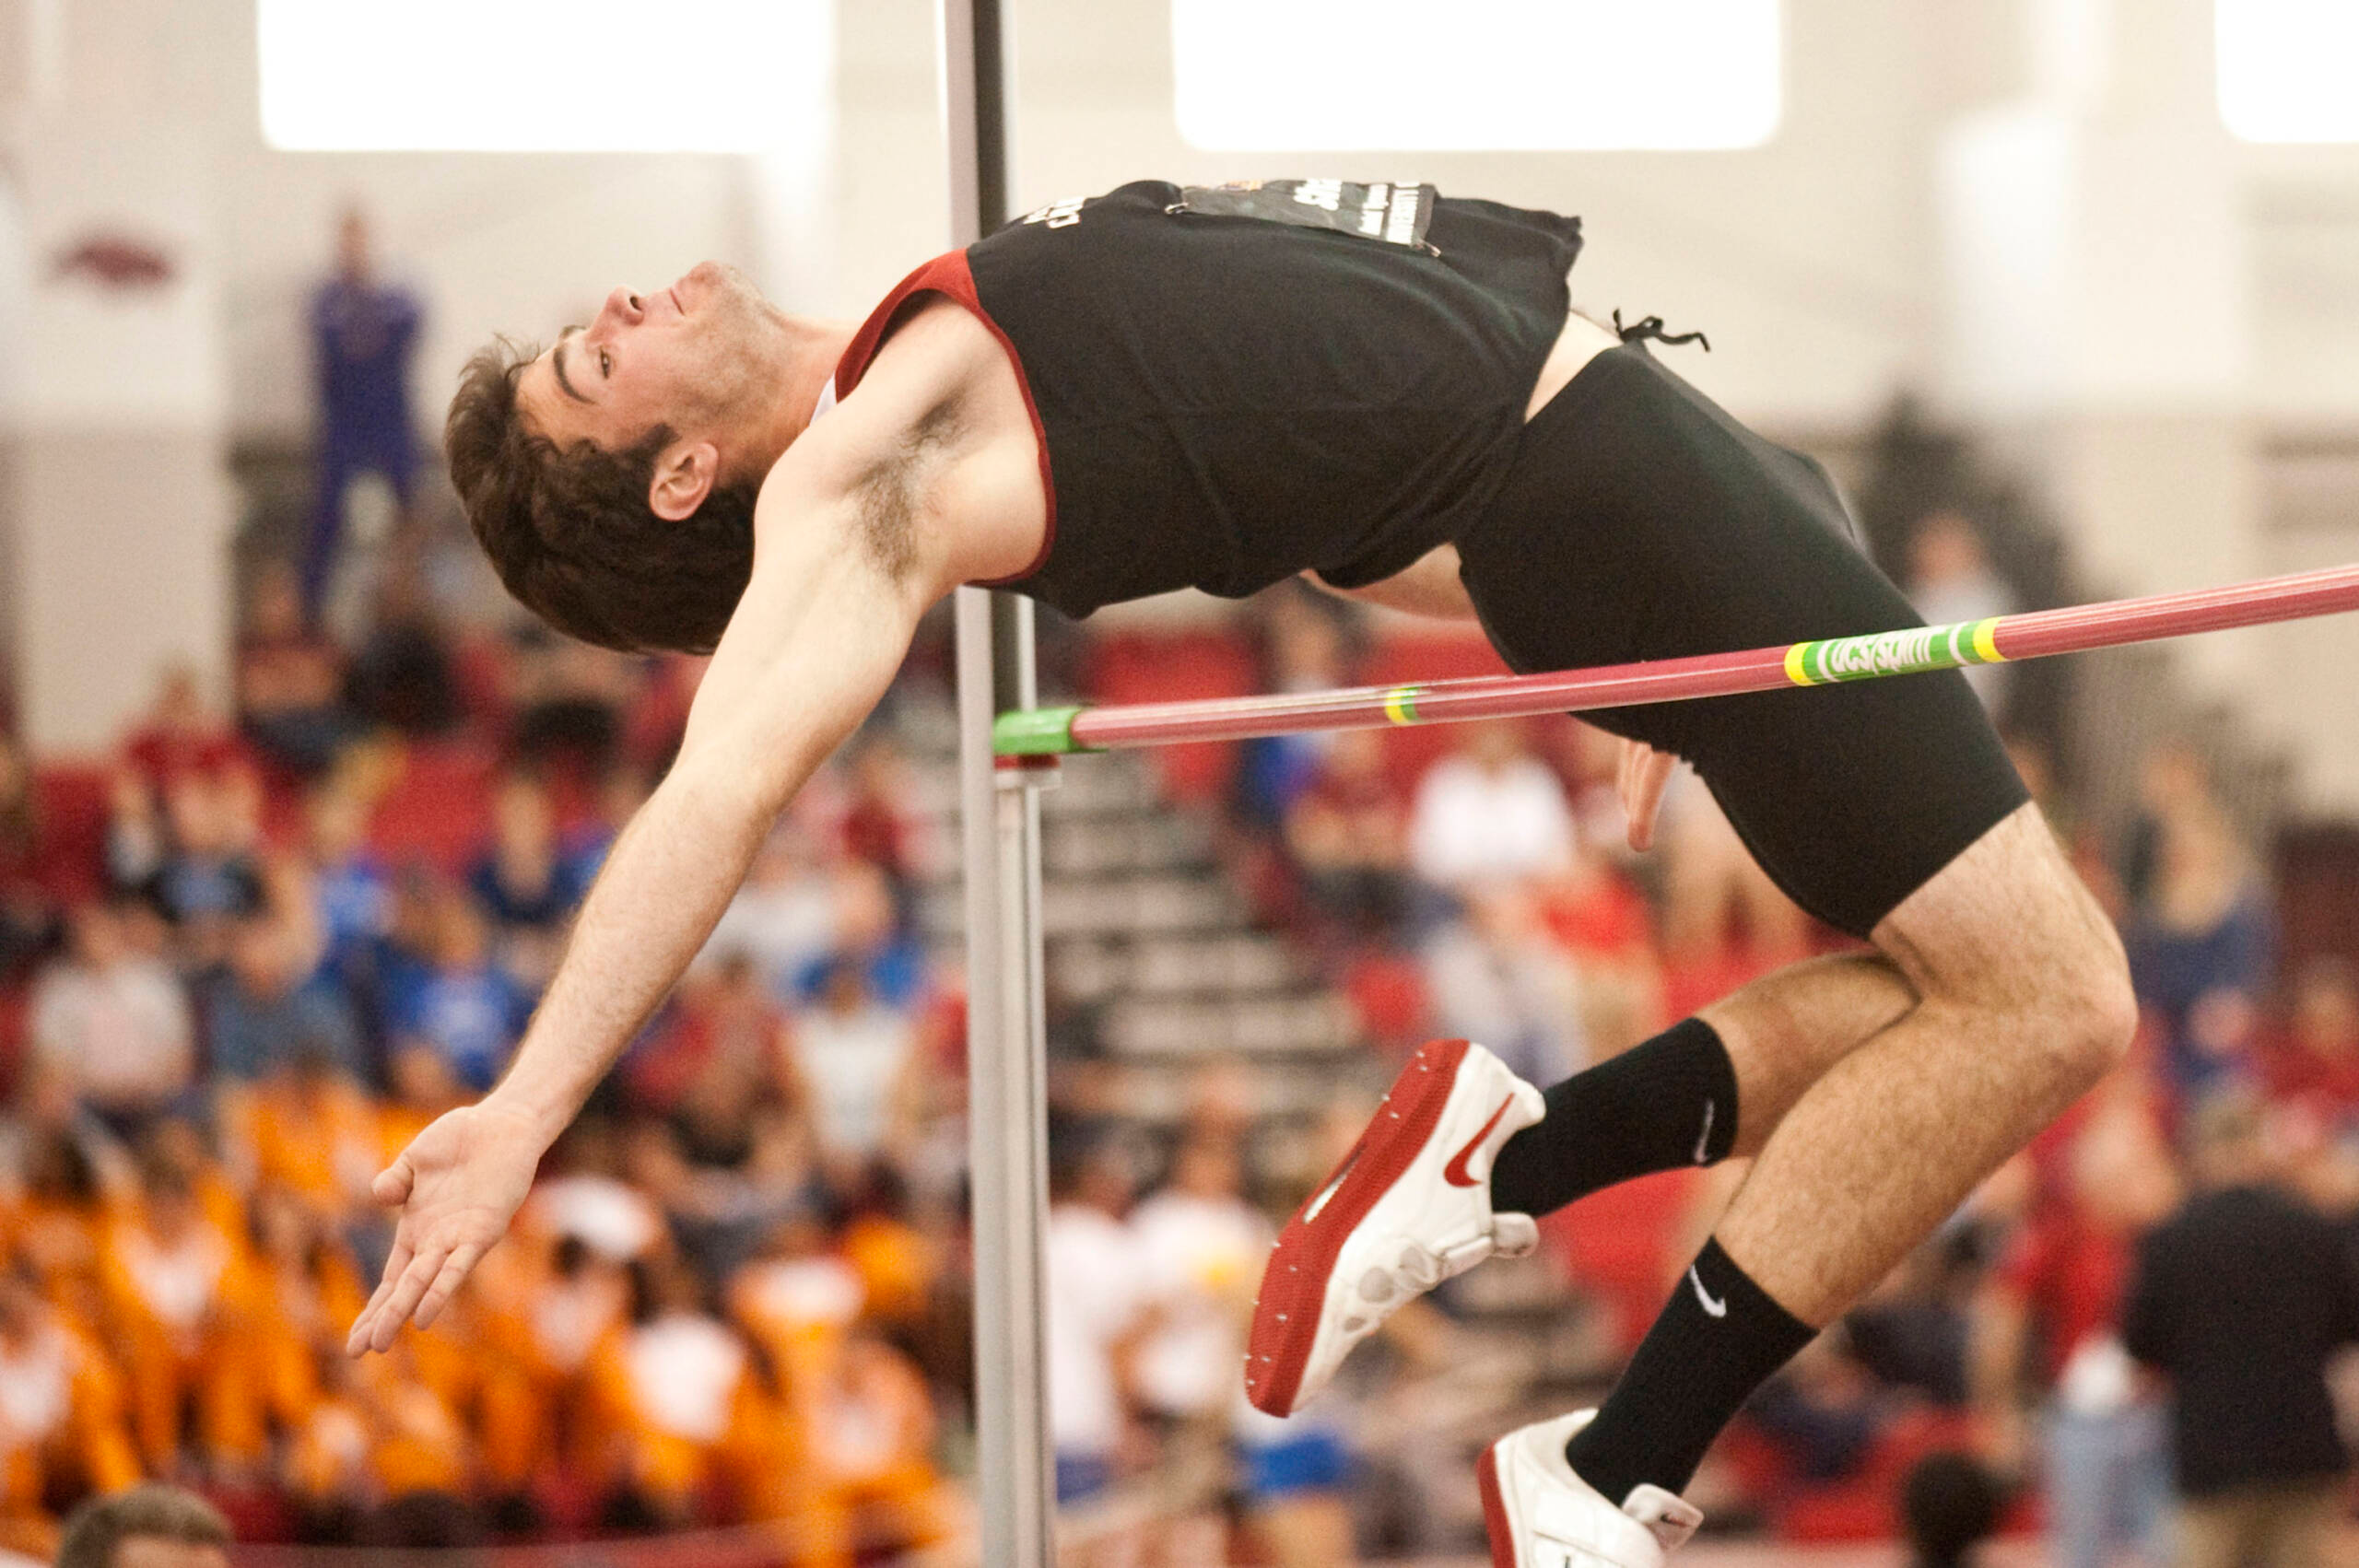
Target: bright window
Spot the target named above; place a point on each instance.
(549, 75)
(2287, 69)
(1316, 74)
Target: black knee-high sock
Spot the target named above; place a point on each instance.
(1719, 1339)
(1667, 1103)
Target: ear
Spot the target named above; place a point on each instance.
(685, 473)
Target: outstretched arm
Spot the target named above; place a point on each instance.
(810, 650)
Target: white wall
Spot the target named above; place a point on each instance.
(1812, 261)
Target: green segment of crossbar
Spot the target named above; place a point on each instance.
(1035, 731)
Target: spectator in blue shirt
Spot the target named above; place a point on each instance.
(525, 882)
(363, 332)
(262, 1013)
(2202, 934)
(457, 1002)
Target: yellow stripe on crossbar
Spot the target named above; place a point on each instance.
(1401, 705)
(1986, 642)
(1796, 671)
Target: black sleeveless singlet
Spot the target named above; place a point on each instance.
(1235, 384)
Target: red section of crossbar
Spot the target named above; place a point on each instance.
(2034, 635)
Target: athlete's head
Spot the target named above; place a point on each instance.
(611, 477)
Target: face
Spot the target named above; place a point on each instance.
(707, 357)
(352, 244)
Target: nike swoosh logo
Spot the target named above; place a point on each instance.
(1703, 1139)
(1716, 1308)
(1454, 1173)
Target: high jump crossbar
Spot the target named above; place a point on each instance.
(1049, 732)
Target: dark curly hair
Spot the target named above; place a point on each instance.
(569, 531)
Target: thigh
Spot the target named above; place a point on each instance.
(2007, 926)
(1639, 521)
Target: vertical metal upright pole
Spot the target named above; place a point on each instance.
(1007, 1111)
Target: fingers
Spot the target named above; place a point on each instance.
(462, 1262)
(413, 1284)
(1645, 773)
(358, 1343)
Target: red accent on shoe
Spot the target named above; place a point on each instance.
(1494, 1510)
(1454, 1173)
(1294, 1282)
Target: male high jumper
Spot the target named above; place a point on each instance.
(1221, 387)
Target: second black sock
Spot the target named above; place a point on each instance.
(1666, 1103)
(1719, 1339)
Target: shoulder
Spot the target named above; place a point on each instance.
(929, 363)
(915, 464)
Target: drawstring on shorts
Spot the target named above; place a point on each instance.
(1652, 327)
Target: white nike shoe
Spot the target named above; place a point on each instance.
(1409, 1207)
(1541, 1515)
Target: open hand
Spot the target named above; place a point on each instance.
(457, 1186)
(1645, 773)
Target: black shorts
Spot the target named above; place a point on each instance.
(1641, 521)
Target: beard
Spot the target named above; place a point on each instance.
(738, 344)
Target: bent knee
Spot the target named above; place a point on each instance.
(2095, 1011)
(2056, 990)
(2071, 1007)
(2010, 938)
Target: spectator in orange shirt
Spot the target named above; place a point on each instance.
(306, 1129)
(169, 1275)
(380, 1461)
(325, 1467)
(668, 1388)
(61, 1407)
(421, 1459)
(57, 1221)
(303, 1288)
(870, 1426)
(544, 1306)
(798, 1295)
(424, 1086)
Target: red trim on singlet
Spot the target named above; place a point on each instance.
(949, 276)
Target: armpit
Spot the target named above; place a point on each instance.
(890, 497)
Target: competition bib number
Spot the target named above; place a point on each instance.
(1397, 215)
